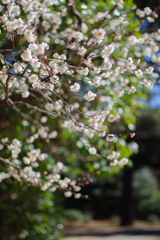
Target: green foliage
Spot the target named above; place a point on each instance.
(30, 213)
(76, 215)
(149, 205)
(146, 194)
(144, 183)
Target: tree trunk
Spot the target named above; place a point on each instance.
(127, 204)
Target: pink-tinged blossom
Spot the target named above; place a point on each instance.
(132, 135)
(110, 137)
(112, 118)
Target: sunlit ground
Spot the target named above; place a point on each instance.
(108, 230)
(118, 237)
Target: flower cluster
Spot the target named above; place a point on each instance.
(81, 67)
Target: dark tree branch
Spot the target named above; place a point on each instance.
(76, 14)
(5, 196)
(111, 11)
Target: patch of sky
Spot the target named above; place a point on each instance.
(154, 102)
(143, 26)
(9, 60)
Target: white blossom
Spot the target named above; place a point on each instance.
(114, 163)
(17, 67)
(26, 160)
(33, 78)
(147, 10)
(107, 50)
(59, 165)
(68, 194)
(139, 73)
(149, 70)
(49, 107)
(122, 162)
(4, 175)
(75, 88)
(84, 71)
(26, 55)
(90, 96)
(92, 150)
(77, 195)
(6, 1)
(43, 119)
(53, 134)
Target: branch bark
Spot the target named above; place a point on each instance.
(5, 196)
(76, 14)
(111, 11)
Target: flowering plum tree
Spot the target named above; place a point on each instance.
(72, 76)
